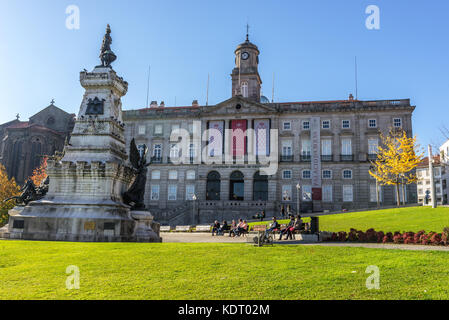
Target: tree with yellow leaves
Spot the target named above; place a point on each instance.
(40, 173)
(8, 188)
(397, 158)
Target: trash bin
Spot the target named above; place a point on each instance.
(315, 225)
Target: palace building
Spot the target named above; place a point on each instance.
(322, 151)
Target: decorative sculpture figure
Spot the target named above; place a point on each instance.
(106, 54)
(134, 197)
(29, 192)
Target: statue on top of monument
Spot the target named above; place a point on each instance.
(134, 197)
(106, 54)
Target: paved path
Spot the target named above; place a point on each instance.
(179, 237)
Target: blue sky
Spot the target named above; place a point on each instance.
(310, 45)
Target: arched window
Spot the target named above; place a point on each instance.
(237, 186)
(213, 186)
(260, 187)
(15, 163)
(36, 154)
(245, 89)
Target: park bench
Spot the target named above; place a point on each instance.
(183, 228)
(203, 229)
(165, 229)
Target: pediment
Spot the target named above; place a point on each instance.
(239, 105)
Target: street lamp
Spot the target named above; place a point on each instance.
(194, 198)
(298, 189)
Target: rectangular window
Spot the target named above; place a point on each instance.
(287, 147)
(401, 188)
(348, 195)
(190, 192)
(397, 122)
(286, 174)
(172, 192)
(155, 174)
(326, 124)
(155, 192)
(287, 125)
(191, 175)
(327, 193)
(157, 151)
(346, 124)
(306, 125)
(158, 129)
(373, 193)
(346, 147)
(327, 174)
(173, 175)
(347, 174)
(306, 174)
(372, 123)
(306, 147)
(142, 130)
(306, 193)
(326, 147)
(287, 193)
(373, 145)
(174, 151)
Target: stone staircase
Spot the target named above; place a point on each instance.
(181, 215)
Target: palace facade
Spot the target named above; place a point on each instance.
(322, 152)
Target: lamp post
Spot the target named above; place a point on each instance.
(194, 198)
(298, 208)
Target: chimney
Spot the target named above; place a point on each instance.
(153, 104)
(162, 105)
(195, 103)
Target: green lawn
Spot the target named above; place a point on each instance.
(36, 270)
(389, 220)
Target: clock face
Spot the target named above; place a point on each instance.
(245, 55)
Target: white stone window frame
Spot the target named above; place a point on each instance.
(369, 123)
(157, 127)
(328, 126)
(330, 188)
(190, 176)
(172, 192)
(285, 175)
(326, 178)
(156, 175)
(344, 122)
(345, 193)
(397, 122)
(155, 196)
(286, 193)
(309, 174)
(173, 175)
(305, 125)
(157, 150)
(345, 177)
(141, 129)
(190, 192)
(287, 126)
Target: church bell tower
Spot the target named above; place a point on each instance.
(246, 80)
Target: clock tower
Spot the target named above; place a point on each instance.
(246, 80)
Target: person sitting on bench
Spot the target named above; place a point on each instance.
(299, 226)
(239, 228)
(216, 228)
(273, 227)
(288, 231)
(224, 228)
(233, 228)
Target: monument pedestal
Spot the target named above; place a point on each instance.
(85, 197)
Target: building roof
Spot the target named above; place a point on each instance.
(27, 125)
(425, 162)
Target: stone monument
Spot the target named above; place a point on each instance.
(85, 198)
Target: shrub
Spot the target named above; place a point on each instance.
(352, 235)
(398, 239)
(380, 236)
(342, 236)
(445, 236)
(435, 239)
(361, 236)
(371, 235)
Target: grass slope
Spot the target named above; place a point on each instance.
(389, 220)
(36, 270)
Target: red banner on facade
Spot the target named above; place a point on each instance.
(238, 137)
(317, 194)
